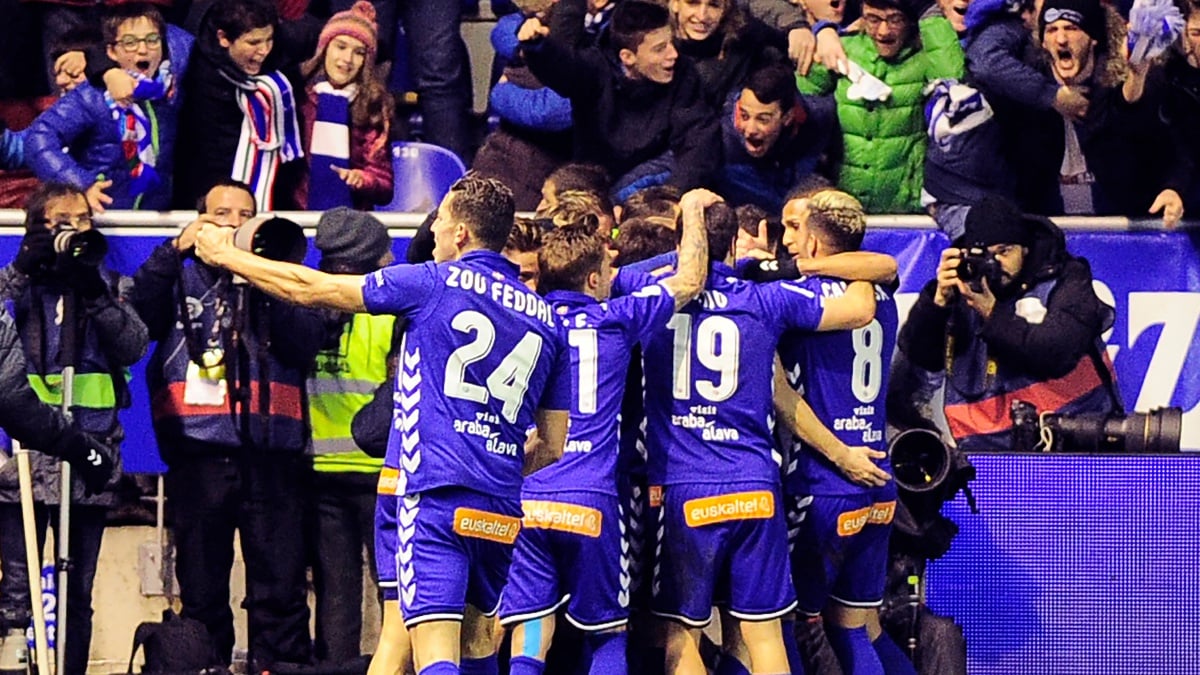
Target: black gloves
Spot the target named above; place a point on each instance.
(86, 281)
(93, 461)
(36, 255)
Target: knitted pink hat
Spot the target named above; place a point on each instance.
(357, 22)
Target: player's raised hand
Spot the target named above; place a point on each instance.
(858, 464)
(212, 241)
(700, 198)
(753, 245)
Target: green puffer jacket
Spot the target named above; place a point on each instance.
(884, 143)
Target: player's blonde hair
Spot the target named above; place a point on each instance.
(838, 219)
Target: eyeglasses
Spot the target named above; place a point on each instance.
(874, 21)
(69, 222)
(130, 43)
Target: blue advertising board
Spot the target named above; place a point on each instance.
(1152, 278)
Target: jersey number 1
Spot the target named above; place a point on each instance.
(509, 380)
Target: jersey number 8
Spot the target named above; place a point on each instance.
(866, 375)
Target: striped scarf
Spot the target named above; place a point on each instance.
(270, 134)
(137, 127)
(330, 147)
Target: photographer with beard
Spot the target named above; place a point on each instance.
(1011, 316)
(227, 381)
(69, 312)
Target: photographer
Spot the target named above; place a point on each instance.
(227, 379)
(1011, 316)
(69, 311)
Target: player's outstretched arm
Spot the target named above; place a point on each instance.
(296, 284)
(856, 463)
(853, 309)
(692, 271)
(879, 268)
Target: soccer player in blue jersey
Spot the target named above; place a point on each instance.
(837, 482)
(482, 362)
(573, 549)
(708, 402)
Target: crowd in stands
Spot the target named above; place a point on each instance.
(604, 112)
(914, 107)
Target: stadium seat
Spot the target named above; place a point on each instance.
(423, 174)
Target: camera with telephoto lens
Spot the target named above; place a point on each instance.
(273, 238)
(976, 265)
(1156, 431)
(85, 248)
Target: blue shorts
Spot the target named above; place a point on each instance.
(728, 540)
(453, 549)
(385, 534)
(641, 516)
(572, 550)
(840, 548)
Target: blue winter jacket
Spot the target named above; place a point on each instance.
(996, 43)
(12, 149)
(82, 123)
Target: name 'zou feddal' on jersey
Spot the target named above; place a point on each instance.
(506, 295)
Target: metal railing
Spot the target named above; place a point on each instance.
(405, 224)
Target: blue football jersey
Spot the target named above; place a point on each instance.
(600, 338)
(709, 379)
(481, 354)
(844, 377)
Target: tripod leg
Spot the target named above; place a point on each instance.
(32, 558)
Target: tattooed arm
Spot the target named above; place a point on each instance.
(692, 269)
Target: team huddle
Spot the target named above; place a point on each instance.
(683, 433)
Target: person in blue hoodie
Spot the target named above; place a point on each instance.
(119, 151)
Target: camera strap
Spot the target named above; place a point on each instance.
(1106, 377)
(990, 367)
(192, 341)
(263, 342)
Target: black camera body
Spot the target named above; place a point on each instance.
(1157, 431)
(976, 265)
(82, 248)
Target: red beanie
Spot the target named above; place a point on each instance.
(357, 22)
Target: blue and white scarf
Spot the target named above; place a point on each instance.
(329, 148)
(270, 134)
(137, 127)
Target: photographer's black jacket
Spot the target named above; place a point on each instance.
(111, 339)
(23, 416)
(267, 349)
(1053, 363)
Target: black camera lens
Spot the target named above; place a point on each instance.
(80, 247)
(1157, 431)
(920, 461)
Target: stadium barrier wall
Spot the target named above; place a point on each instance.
(1072, 565)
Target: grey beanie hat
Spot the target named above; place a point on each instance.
(351, 238)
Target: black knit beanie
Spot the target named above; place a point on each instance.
(351, 239)
(995, 220)
(1087, 14)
